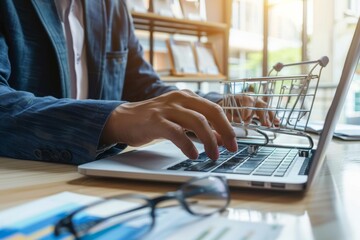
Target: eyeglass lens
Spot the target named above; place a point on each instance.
(206, 196)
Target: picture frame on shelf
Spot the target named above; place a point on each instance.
(206, 60)
(191, 10)
(141, 6)
(183, 61)
(162, 7)
(176, 9)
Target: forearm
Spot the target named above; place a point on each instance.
(50, 129)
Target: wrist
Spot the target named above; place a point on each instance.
(108, 136)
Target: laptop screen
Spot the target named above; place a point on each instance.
(334, 112)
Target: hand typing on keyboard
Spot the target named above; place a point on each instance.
(169, 116)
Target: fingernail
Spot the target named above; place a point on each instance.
(232, 145)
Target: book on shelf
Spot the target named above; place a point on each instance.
(138, 5)
(193, 59)
(162, 7)
(192, 10)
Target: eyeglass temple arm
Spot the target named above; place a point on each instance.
(153, 202)
(66, 223)
(167, 196)
(95, 222)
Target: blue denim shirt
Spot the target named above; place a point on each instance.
(38, 120)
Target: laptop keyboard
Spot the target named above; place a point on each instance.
(267, 161)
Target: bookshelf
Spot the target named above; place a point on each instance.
(215, 30)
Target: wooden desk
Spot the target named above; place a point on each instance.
(330, 210)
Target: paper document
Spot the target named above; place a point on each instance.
(36, 220)
(342, 131)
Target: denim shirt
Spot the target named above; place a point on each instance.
(39, 120)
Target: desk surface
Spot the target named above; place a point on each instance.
(330, 210)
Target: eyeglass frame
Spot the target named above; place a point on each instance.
(67, 222)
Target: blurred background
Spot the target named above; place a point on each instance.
(249, 36)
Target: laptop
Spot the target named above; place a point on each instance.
(163, 161)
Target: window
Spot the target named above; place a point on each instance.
(285, 31)
(256, 42)
(354, 6)
(246, 38)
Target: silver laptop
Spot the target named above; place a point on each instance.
(163, 161)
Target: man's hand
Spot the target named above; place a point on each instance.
(168, 116)
(266, 118)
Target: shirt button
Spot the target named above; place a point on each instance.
(38, 154)
(55, 156)
(66, 156)
(77, 58)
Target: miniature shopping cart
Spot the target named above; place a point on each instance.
(286, 99)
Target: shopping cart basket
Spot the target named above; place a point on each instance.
(290, 98)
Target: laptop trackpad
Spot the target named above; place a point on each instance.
(154, 157)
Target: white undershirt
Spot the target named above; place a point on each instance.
(72, 19)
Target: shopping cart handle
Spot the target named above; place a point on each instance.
(323, 61)
(278, 66)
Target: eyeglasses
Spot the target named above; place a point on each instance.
(136, 216)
